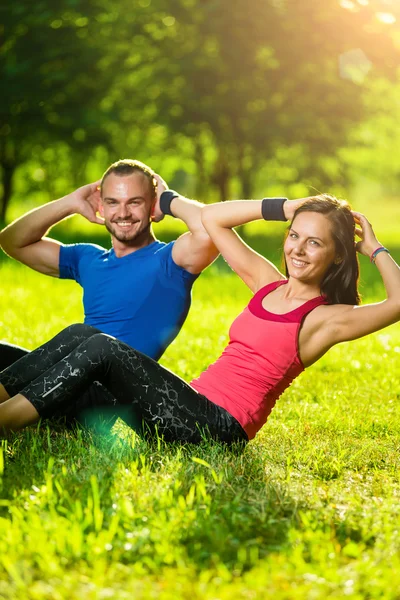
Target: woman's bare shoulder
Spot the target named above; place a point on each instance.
(327, 310)
(319, 331)
(326, 315)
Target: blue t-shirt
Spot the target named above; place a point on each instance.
(142, 298)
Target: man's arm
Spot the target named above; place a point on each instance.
(194, 250)
(25, 240)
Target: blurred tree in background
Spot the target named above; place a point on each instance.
(48, 93)
(241, 93)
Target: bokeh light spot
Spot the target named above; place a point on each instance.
(348, 5)
(354, 65)
(39, 175)
(82, 22)
(386, 18)
(169, 21)
(56, 24)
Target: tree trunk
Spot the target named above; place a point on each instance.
(246, 184)
(8, 169)
(201, 178)
(221, 176)
(246, 172)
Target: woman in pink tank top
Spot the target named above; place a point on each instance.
(291, 321)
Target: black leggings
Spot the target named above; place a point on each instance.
(9, 354)
(85, 410)
(56, 377)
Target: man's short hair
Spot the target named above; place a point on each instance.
(127, 166)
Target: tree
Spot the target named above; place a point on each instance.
(227, 84)
(250, 78)
(50, 65)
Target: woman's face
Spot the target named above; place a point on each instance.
(309, 247)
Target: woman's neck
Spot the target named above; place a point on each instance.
(300, 289)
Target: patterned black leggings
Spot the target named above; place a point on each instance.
(57, 377)
(9, 354)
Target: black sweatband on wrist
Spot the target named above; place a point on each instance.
(165, 201)
(272, 209)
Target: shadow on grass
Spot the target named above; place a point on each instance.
(203, 506)
(210, 503)
(250, 517)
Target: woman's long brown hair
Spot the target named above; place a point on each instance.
(340, 283)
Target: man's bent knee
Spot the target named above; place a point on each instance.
(80, 330)
(98, 343)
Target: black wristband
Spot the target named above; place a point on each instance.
(272, 209)
(165, 201)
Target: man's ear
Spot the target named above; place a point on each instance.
(153, 208)
(101, 208)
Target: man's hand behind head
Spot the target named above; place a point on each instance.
(87, 200)
(157, 215)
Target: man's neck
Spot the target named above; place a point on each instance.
(124, 248)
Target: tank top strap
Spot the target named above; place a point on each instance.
(308, 306)
(267, 289)
(294, 316)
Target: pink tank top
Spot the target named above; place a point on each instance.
(259, 363)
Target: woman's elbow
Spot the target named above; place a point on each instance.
(208, 216)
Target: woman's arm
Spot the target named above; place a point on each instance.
(356, 321)
(219, 220)
(193, 250)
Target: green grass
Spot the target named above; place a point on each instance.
(310, 509)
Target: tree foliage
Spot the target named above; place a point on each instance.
(227, 85)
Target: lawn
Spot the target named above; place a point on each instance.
(310, 509)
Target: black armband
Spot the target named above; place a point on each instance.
(165, 201)
(272, 209)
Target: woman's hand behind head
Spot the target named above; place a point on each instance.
(368, 242)
(290, 207)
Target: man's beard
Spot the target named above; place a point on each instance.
(127, 238)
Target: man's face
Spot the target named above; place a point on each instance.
(126, 206)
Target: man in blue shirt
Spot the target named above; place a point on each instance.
(138, 291)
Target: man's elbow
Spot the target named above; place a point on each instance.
(202, 238)
(206, 248)
(9, 247)
(3, 242)
(6, 246)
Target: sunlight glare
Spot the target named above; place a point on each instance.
(354, 65)
(348, 4)
(387, 18)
